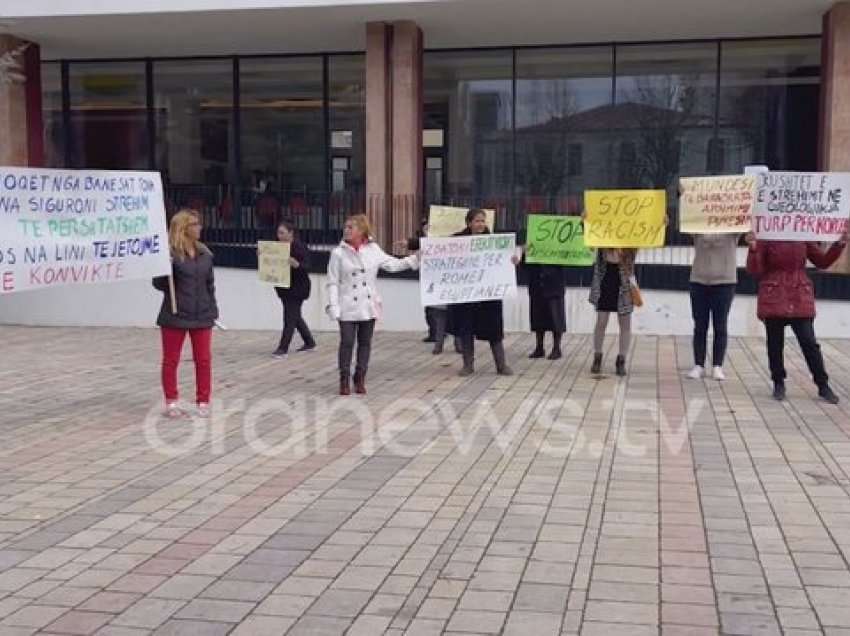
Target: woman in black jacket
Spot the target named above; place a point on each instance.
(196, 311)
(480, 320)
(293, 297)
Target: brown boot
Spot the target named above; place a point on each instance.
(360, 382)
(344, 384)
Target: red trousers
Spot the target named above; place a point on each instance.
(172, 347)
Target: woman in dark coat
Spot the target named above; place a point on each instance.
(197, 310)
(786, 297)
(546, 289)
(478, 320)
(293, 297)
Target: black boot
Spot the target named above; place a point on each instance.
(538, 352)
(827, 394)
(620, 365)
(344, 384)
(556, 348)
(360, 382)
(468, 362)
(502, 367)
(779, 391)
(596, 367)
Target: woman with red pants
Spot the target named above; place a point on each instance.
(194, 293)
(786, 297)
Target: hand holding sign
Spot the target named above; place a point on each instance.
(625, 218)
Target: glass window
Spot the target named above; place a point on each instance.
(193, 101)
(282, 124)
(769, 100)
(665, 108)
(347, 118)
(562, 135)
(51, 112)
(469, 96)
(109, 125)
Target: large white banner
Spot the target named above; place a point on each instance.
(465, 269)
(801, 206)
(60, 227)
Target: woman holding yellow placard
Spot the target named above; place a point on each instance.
(613, 291)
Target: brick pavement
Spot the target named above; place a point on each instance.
(550, 502)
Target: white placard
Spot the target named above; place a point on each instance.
(465, 269)
(60, 227)
(801, 206)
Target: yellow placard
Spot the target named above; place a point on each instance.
(273, 263)
(444, 220)
(625, 218)
(716, 205)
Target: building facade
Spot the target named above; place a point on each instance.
(313, 109)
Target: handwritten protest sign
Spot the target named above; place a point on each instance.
(716, 205)
(801, 206)
(625, 218)
(467, 269)
(556, 240)
(61, 227)
(273, 263)
(444, 220)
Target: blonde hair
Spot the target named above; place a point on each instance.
(179, 241)
(361, 222)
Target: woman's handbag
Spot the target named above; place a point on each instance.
(637, 298)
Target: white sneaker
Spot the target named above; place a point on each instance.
(696, 373)
(203, 410)
(717, 374)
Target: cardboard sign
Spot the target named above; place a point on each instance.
(466, 269)
(444, 220)
(62, 227)
(556, 240)
(801, 206)
(716, 205)
(625, 218)
(273, 263)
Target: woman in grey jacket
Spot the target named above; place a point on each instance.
(714, 276)
(197, 310)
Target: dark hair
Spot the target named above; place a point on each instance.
(473, 212)
(289, 225)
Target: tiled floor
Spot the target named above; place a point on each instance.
(549, 502)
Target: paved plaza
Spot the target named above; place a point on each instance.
(549, 502)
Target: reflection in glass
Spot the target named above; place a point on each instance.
(193, 101)
(282, 124)
(347, 119)
(108, 115)
(468, 95)
(562, 138)
(769, 98)
(664, 113)
(51, 112)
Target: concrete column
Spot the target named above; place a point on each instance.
(21, 129)
(407, 177)
(378, 129)
(835, 99)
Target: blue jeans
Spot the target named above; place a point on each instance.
(711, 303)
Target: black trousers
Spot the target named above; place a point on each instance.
(292, 321)
(711, 303)
(351, 332)
(805, 331)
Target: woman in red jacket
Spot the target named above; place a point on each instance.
(786, 297)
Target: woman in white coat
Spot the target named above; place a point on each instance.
(353, 297)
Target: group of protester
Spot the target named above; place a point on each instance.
(785, 298)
